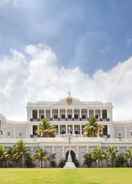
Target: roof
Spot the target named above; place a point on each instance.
(69, 100)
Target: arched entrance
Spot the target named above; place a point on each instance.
(73, 156)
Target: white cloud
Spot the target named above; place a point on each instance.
(35, 74)
(7, 2)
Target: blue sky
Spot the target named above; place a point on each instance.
(50, 47)
(91, 34)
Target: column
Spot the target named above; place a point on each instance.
(66, 129)
(14, 132)
(72, 113)
(125, 134)
(31, 114)
(44, 113)
(38, 116)
(73, 129)
(81, 130)
(65, 113)
(109, 114)
(94, 112)
(58, 113)
(101, 114)
(58, 129)
(87, 113)
(80, 113)
(110, 130)
(63, 152)
(51, 114)
(31, 130)
(37, 113)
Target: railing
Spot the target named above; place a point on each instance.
(70, 119)
(63, 140)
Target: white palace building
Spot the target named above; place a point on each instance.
(65, 113)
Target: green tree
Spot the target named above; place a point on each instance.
(98, 155)
(52, 160)
(2, 155)
(92, 128)
(8, 156)
(111, 154)
(128, 156)
(88, 159)
(19, 152)
(120, 160)
(45, 129)
(41, 156)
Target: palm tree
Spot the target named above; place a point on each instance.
(45, 129)
(9, 156)
(2, 154)
(19, 152)
(120, 160)
(111, 154)
(128, 156)
(88, 159)
(41, 156)
(92, 128)
(98, 155)
(52, 160)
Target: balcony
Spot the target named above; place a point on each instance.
(35, 119)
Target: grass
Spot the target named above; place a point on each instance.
(66, 176)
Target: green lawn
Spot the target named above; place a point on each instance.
(65, 176)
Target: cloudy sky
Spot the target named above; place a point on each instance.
(48, 48)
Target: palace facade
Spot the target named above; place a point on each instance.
(67, 114)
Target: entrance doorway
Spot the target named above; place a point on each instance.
(73, 157)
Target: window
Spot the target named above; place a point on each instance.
(62, 113)
(55, 113)
(41, 114)
(77, 129)
(69, 113)
(84, 113)
(105, 130)
(104, 114)
(47, 113)
(62, 129)
(8, 133)
(119, 135)
(91, 113)
(97, 114)
(20, 134)
(76, 113)
(56, 127)
(34, 114)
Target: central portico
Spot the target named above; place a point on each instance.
(70, 114)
